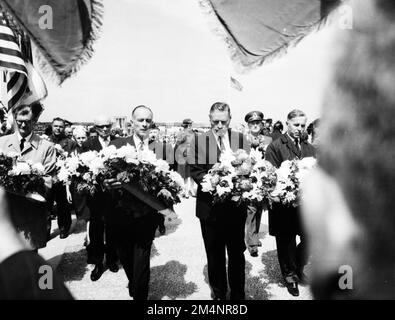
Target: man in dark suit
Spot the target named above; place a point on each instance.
(284, 222)
(58, 193)
(134, 220)
(223, 224)
(101, 233)
(258, 142)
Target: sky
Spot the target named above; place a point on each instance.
(163, 54)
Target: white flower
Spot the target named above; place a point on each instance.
(289, 197)
(38, 168)
(307, 163)
(222, 190)
(59, 148)
(256, 155)
(88, 157)
(162, 165)
(147, 155)
(96, 165)
(127, 152)
(21, 168)
(177, 178)
(108, 152)
(87, 177)
(72, 163)
(206, 184)
(229, 181)
(63, 174)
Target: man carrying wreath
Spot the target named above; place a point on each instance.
(30, 147)
(135, 221)
(285, 222)
(222, 224)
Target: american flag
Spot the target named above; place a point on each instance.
(12, 64)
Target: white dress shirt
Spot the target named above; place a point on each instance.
(137, 142)
(27, 139)
(225, 141)
(104, 143)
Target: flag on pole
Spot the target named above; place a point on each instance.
(12, 63)
(236, 84)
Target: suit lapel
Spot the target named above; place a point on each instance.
(14, 143)
(31, 144)
(292, 147)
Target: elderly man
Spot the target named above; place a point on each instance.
(222, 224)
(135, 220)
(31, 147)
(284, 222)
(101, 233)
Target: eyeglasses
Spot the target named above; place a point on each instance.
(103, 126)
(218, 121)
(25, 122)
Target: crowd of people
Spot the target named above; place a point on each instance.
(346, 222)
(113, 216)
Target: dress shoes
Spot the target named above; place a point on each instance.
(292, 288)
(113, 267)
(63, 234)
(302, 277)
(97, 272)
(162, 229)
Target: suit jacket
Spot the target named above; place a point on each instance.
(92, 144)
(283, 219)
(124, 199)
(66, 143)
(37, 150)
(206, 154)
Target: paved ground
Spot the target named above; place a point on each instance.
(178, 265)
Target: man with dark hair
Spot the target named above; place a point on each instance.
(349, 206)
(222, 224)
(30, 147)
(101, 231)
(59, 194)
(21, 268)
(277, 130)
(284, 222)
(134, 220)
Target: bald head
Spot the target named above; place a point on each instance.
(102, 120)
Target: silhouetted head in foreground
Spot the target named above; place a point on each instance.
(349, 205)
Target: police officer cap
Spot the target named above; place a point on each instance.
(253, 116)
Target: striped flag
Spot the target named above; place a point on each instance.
(235, 84)
(13, 64)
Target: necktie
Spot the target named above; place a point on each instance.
(297, 145)
(22, 144)
(141, 147)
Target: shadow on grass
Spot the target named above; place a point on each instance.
(256, 287)
(72, 266)
(169, 281)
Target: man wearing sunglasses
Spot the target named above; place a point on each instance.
(100, 208)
